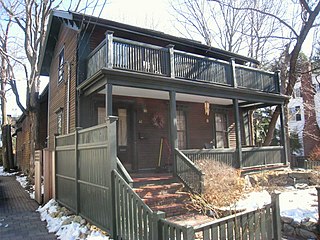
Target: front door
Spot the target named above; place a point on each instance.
(125, 128)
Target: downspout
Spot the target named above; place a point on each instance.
(68, 96)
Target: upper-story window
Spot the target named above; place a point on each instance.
(297, 92)
(295, 113)
(61, 66)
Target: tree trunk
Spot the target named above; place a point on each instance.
(7, 153)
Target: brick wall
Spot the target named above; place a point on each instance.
(311, 131)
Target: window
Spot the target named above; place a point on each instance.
(298, 113)
(295, 113)
(296, 92)
(59, 121)
(221, 130)
(122, 127)
(61, 66)
(181, 129)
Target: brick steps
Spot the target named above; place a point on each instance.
(163, 194)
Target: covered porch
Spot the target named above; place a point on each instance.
(171, 129)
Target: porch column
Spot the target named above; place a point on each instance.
(108, 99)
(109, 52)
(173, 126)
(283, 132)
(238, 130)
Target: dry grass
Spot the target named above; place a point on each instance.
(223, 186)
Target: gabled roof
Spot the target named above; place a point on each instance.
(57, 18)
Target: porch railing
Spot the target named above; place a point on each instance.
(188, 172)
(262, 156)
(226, 156)
(165, 61)
(251, 157)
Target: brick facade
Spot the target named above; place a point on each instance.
(311, 130)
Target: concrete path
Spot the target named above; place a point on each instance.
(18, 216)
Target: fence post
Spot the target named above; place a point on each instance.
(276, 216)
(318, 192)
(188, 233)
(156, 228)
(76, 169)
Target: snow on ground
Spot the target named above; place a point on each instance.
(64, 227)
(23, 180)
(3, 173)
(299, 204)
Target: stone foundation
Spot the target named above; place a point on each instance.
(304, 229)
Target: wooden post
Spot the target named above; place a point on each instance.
(276, 216)
(108, 99)
(37, 175)
(156, 230)
(277, 81)
(283, 132)
(238, 131)
(76, 169)
(111, 165)
(318, 192)
(173, 128)
(188, 233)
(109, 52)
(233, 73)
(171, 60)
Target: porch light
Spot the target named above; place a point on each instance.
(206, 108)
(144, 108)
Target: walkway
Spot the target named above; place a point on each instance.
(18, 217)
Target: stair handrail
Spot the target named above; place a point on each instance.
(130, 210)
(198, 186)
(124, 173)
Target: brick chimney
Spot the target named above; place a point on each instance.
(311, 129)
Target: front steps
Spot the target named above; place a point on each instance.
(161, 192)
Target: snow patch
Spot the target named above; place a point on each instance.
(3, 173)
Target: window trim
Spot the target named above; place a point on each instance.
(61, 65)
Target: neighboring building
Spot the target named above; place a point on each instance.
(23, 136)
(304, 111)
(147, 79)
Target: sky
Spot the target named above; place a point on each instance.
(152, 14)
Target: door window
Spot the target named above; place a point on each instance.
(221, 130)
(122, 127)
(181, 129)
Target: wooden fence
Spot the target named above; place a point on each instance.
(303, 162)
(88, 183)
(258, 224)
(83, 162)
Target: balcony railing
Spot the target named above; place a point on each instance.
(118, 53)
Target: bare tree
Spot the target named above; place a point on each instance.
(226, 25)
(30, 18)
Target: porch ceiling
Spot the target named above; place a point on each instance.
(164, 95)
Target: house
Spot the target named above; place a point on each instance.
(304, 115)
(148, 78)
(22, 134)
(176, 101)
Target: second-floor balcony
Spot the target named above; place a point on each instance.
(123, 54)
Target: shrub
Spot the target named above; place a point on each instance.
(223, 186)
